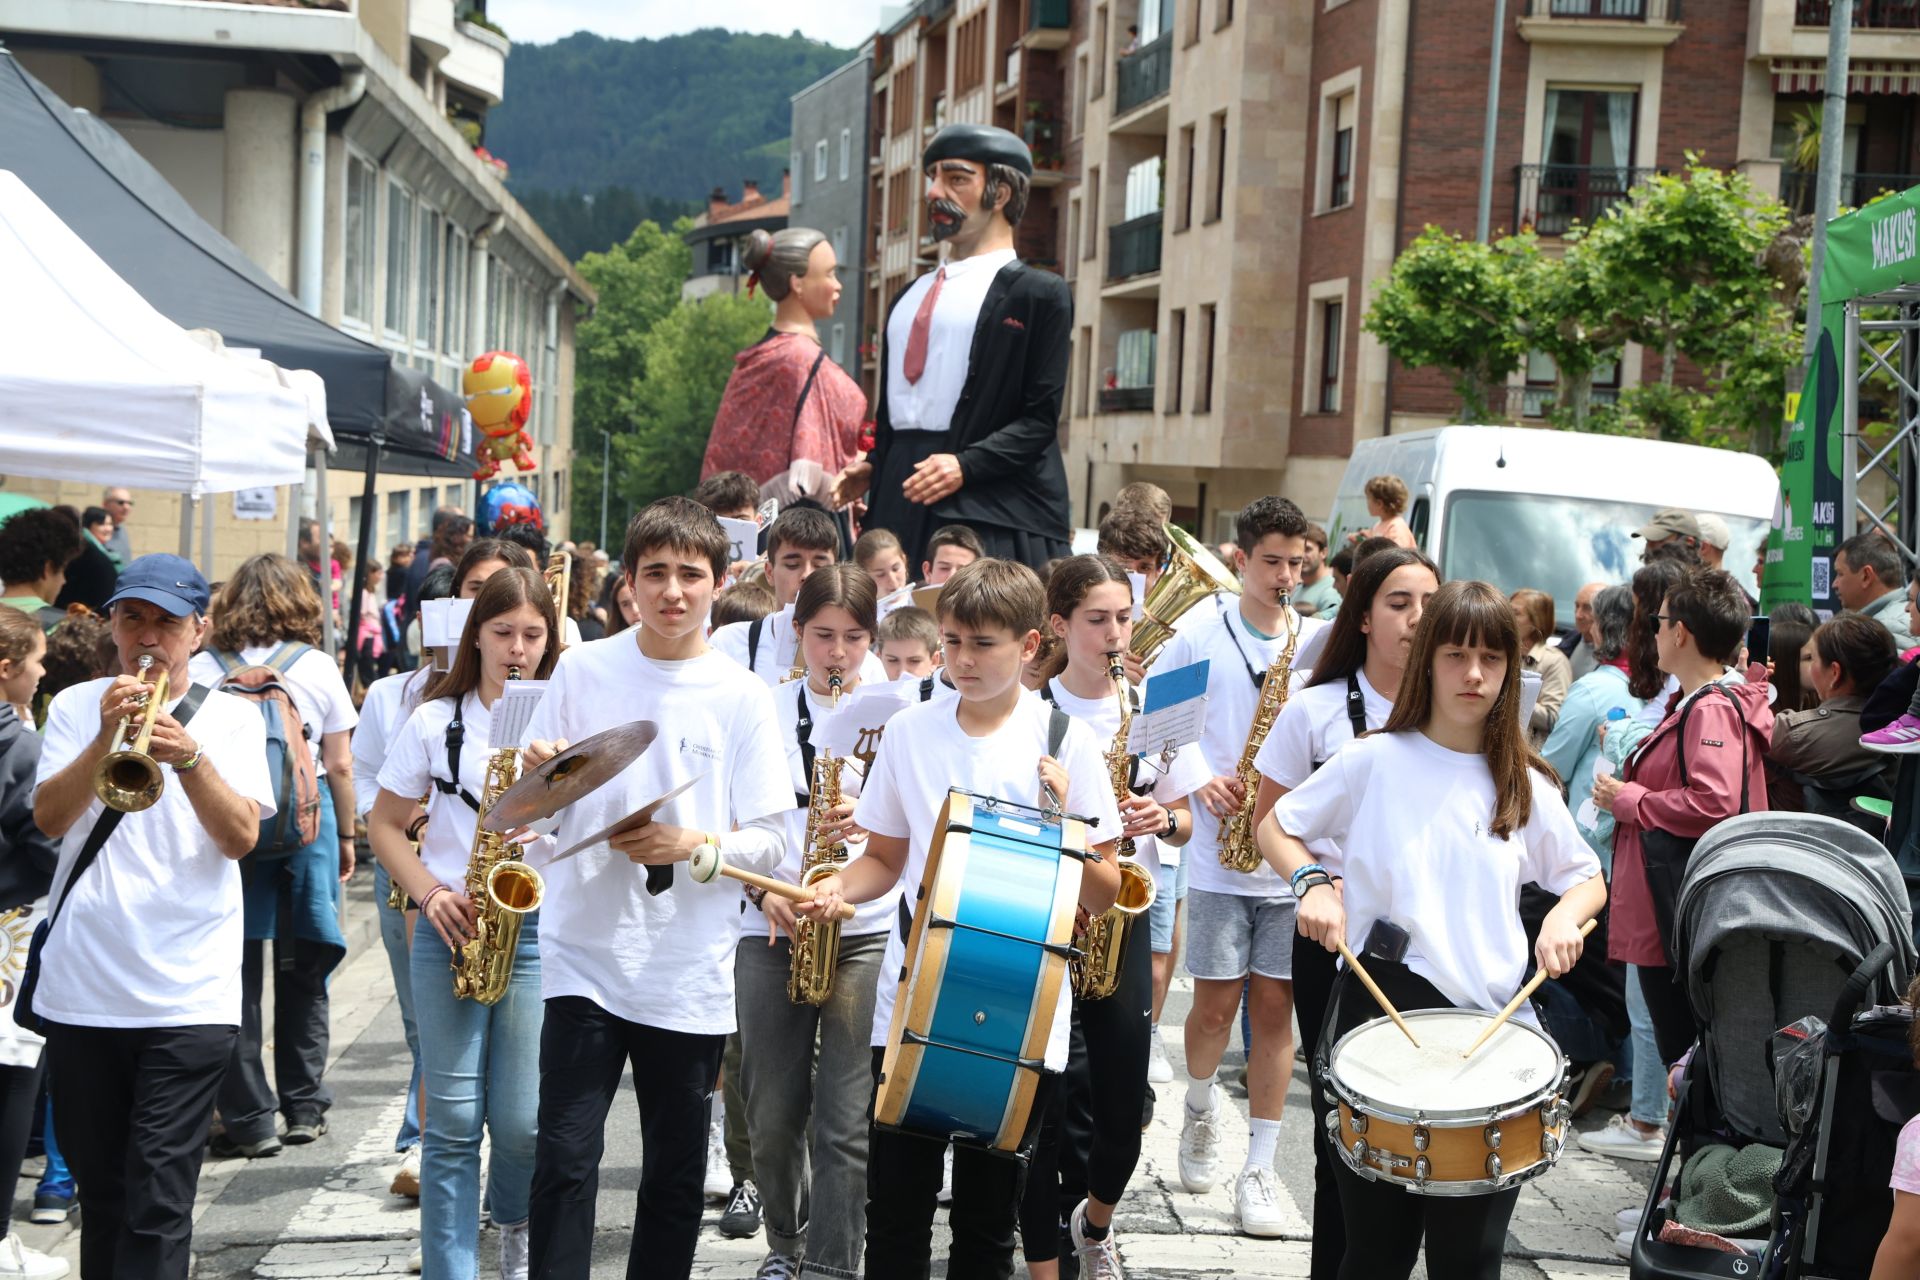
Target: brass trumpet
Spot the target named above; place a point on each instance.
(129, 779)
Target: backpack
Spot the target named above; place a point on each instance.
(295, 822)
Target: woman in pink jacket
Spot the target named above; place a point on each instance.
(1705, 762)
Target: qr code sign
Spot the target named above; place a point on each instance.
(1822, 577)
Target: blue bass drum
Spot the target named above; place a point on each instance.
(986, 968)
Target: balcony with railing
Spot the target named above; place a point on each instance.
(1125, 399)
(1797, 187)
(1549, 198)
(1606, 10)
(1048, 23)
(1536, 399)
(1133, 247)
(1144, 75)
(1872, 15)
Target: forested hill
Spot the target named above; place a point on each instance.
(665, 119)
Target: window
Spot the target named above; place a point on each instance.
(399, 517)
(426, 323)
(1080, 73)
(1327, 399)
(359, 234)
(970, 53)
(897, 202)
(846, 153)
(840, 246)
(1073, 237)
(1176, 353)
(1340, 170)
(1222, 16)
(1183, 211)
(455, 343)
(1144, 189)
(1192, 34)
(1203, 387)
(1085, 346)
(1217, 170)
(399, 255)
(837, 351)
(1101, 52)
(1587, 146)
(820, 160)
(902, 92)
(1092, 249)
(794, 168)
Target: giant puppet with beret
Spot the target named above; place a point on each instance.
(966, 429)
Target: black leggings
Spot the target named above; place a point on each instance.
(19, 1099)
(1314, 971)
(1386, 1225)
(1674, 1025)
(1090, 1138)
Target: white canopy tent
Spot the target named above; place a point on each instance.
(97, 386)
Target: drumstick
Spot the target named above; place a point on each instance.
(706, 863)
(1366, 980)
(1533, 985)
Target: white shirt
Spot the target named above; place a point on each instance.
(869, 917)
(667, 960)
(385, 706)
(315, 683)
(779, 649)
(1238, 664)
(1310, 729)
(151, 935)
(928, 405)
(1177, 780)
(1413, 819)
(924, 752)
(418, 755)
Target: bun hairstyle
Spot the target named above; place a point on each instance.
(776, 260)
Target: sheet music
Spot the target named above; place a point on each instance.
(856, 728)
(1173, 710)
(513, 712)
(898, 598)
(744, 538)
(1139, 581)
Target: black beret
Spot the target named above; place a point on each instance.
(983, 143)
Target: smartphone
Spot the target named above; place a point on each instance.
(1758, 635)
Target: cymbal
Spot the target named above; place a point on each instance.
(580, 769)
(632, 822)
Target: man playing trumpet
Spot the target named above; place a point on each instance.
(139, 978)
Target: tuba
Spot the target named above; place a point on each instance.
(129, 779)
(1102, 945)
(1193, 573)
(1239, 850)
(816, 943)
(501, 886)
(559, 579)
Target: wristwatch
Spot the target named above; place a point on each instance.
(1309, 881)
(1173, 825)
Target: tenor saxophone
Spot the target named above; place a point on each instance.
(1239, 850)
(816, 943)
(1102, 945)
(501, 886)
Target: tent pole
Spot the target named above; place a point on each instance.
(1826, 185)
(186, 526)
(321, 510)
(296, 495)
(206, 536)
(1849, 424)
(361, 563)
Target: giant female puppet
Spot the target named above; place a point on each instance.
(790, 417)
(967, 428)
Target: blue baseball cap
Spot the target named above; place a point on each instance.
(171, 582)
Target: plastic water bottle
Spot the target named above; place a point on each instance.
(1588, 815)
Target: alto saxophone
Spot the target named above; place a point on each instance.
(1102, 945)
(501, 886)
(1239, 850)
(816, 943)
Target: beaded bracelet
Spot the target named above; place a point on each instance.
(1305, 871)
(191, 762)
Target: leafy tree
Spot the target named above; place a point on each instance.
(639, 285)
(689, 357)
(1450, 304)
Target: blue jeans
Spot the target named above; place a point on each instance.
(393, 936)
(482, 1066)
(1649, 1104)
(57, 1177)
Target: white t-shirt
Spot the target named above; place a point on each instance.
(870, 917)
(418, 755)
(778, 649)
(1239, 660)
(384, 707)
(151, 935)
(1310, 729)
(1179, 779)
(925, 752)
(315, 683)
(667, 960)
(1413, 820)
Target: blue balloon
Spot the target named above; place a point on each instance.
(507, 503)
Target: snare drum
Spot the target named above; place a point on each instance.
(1437, 1124)
(985, 970)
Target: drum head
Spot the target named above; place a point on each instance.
(1377, 1065)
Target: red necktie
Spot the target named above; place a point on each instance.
(915, 363)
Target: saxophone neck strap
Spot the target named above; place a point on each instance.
(1231, 620)
(1356, 704)
(803, 734)
(1133, 762)
(456, 739)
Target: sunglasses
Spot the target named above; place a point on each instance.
(1663, 619)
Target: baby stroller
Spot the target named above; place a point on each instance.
(1776, 914)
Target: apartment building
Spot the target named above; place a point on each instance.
(1249, 171)
(719, 236)
(419, 246)
(830, 129)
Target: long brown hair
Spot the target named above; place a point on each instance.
(504, 592)
(1651, 583)
(1067, 588)
(268, 600)
(1476, 614)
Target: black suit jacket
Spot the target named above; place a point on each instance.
(1006, 427)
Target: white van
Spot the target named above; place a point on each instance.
(1532, 507)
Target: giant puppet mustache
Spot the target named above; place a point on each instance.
(957, 217)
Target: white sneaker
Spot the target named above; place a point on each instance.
(1257, 1199)
(18, 1260)
(406, 1180)
(1623, 1243)
(945, 1195)
(1624, 1141)
(513, 1251)
(1629, 1219)
(778, 1266)
(719, 1184)
(1159, 1066)
(1200, 1145)
(1099, 1259)
(417, 1262)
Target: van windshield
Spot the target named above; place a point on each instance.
(1558, 545)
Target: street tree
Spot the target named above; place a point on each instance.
(1450, 303)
